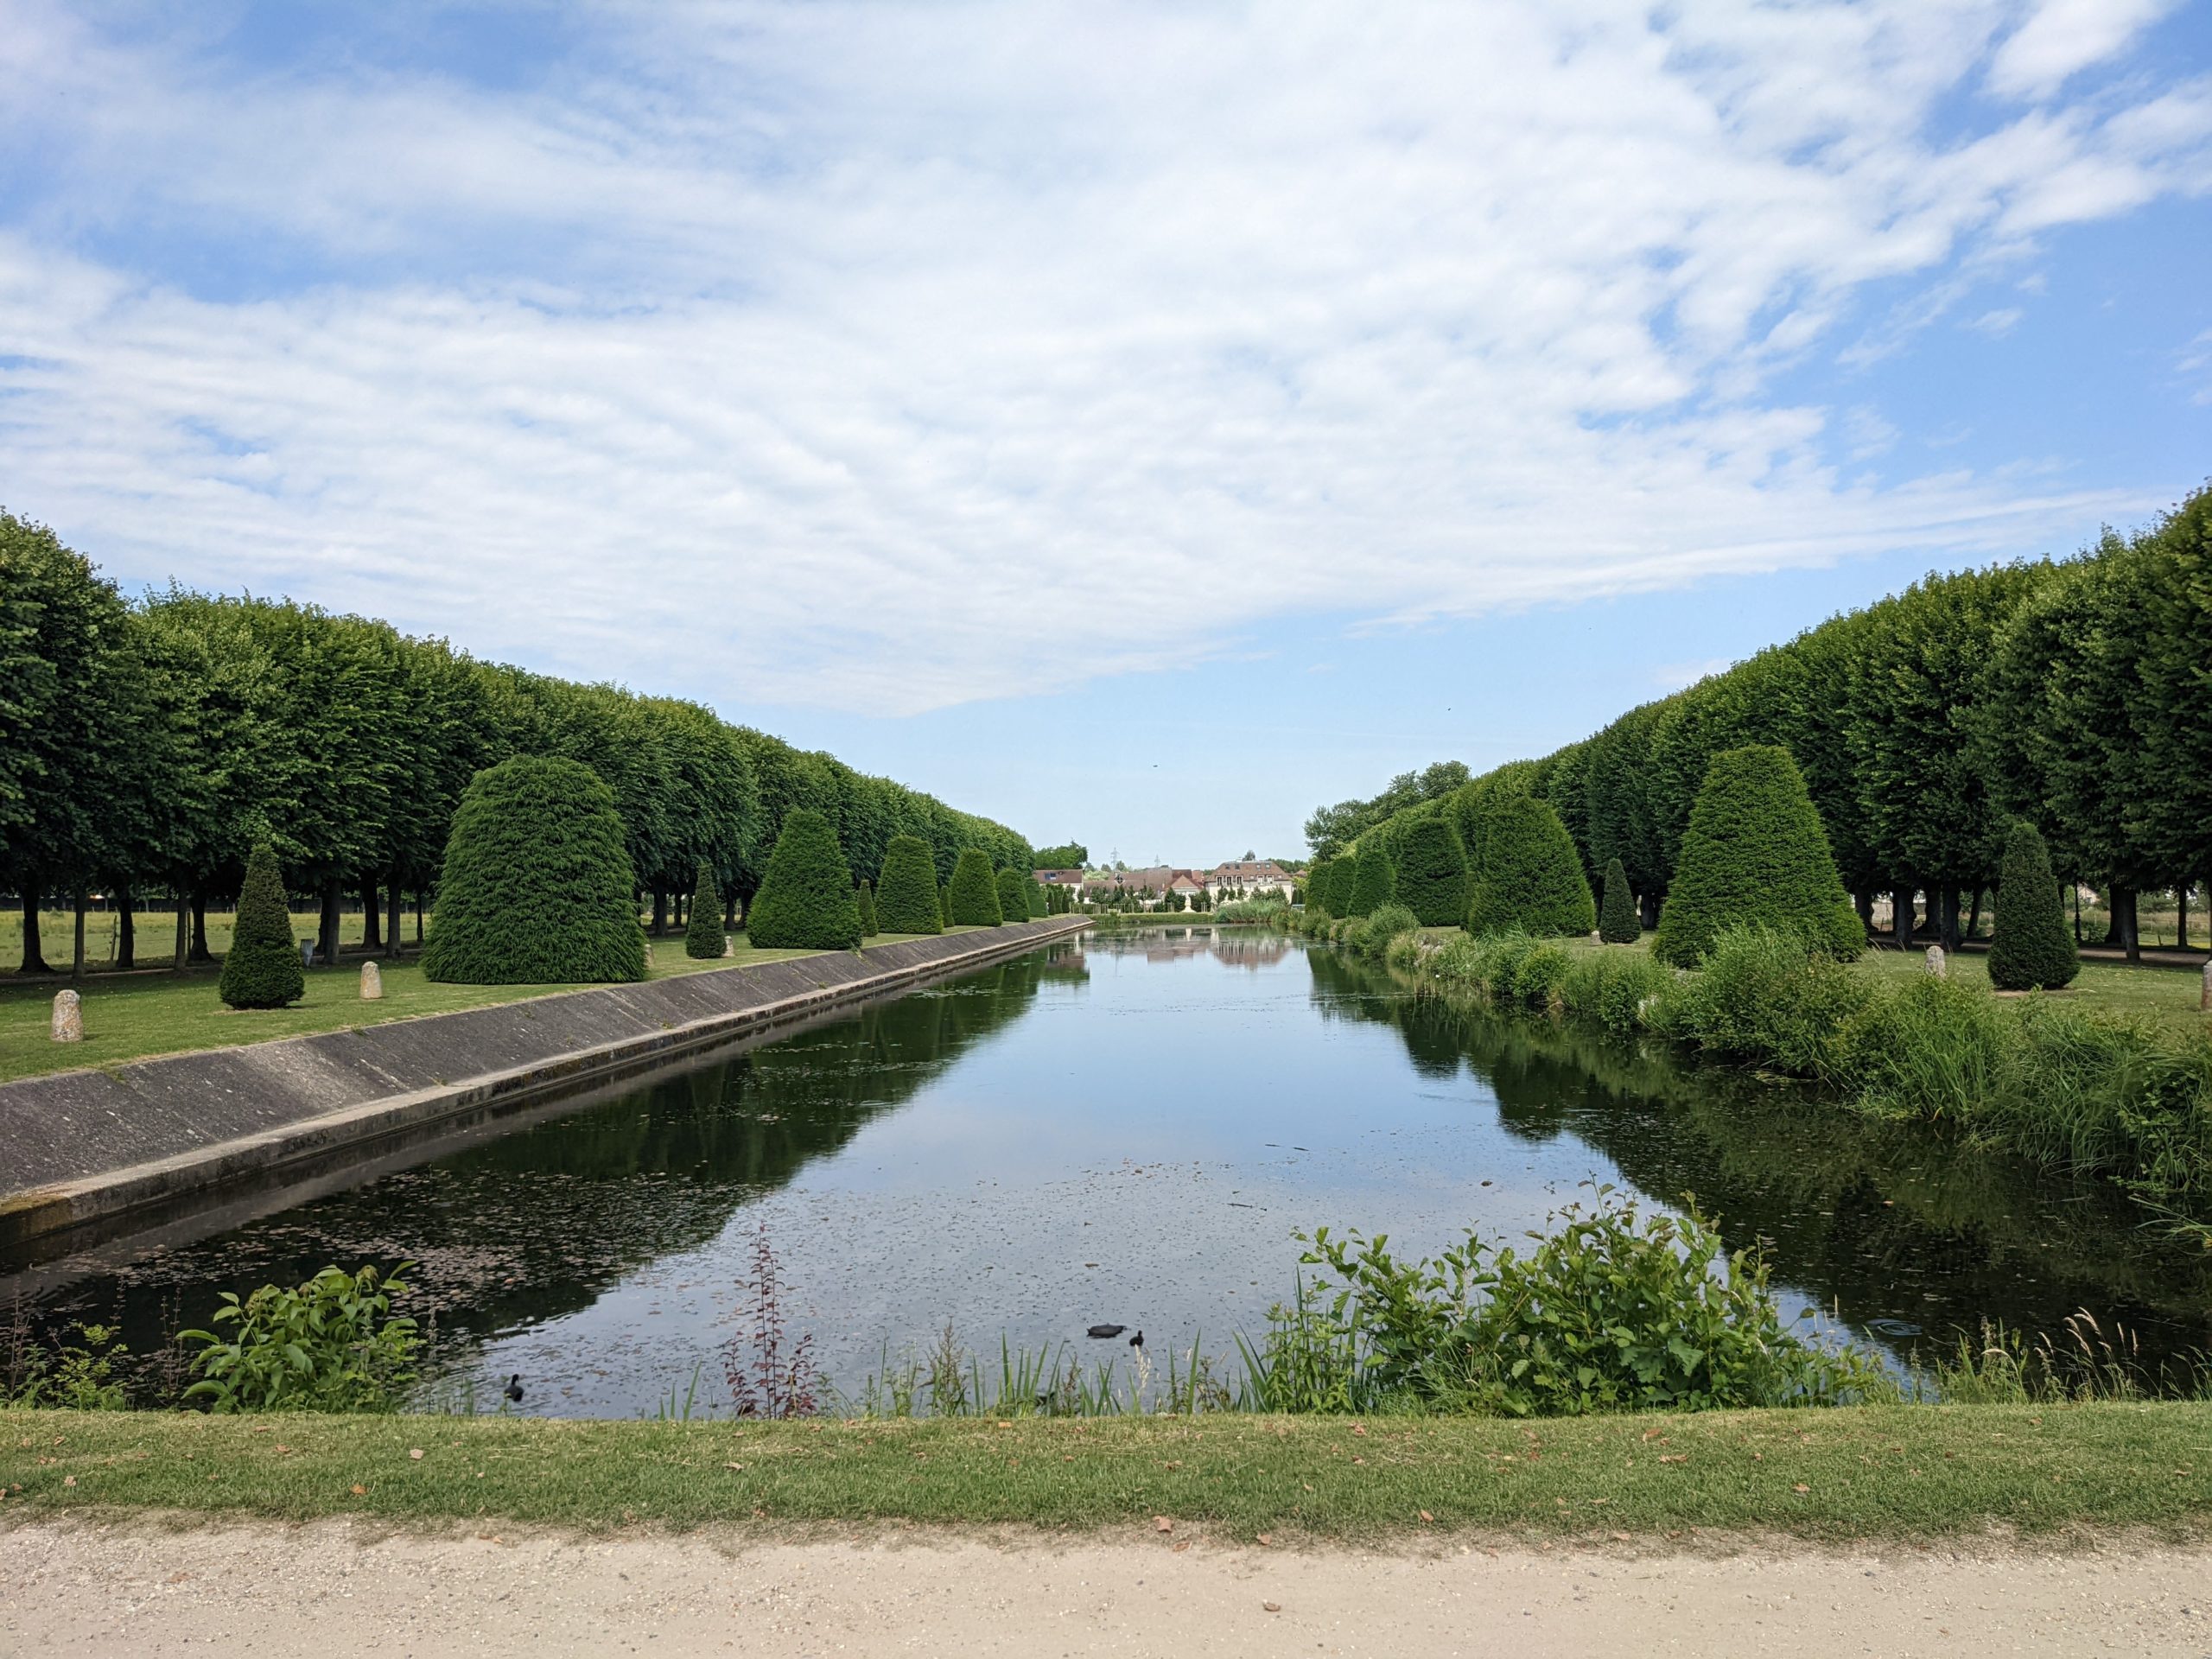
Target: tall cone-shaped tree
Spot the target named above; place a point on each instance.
(1617, 922)
(1374, 881)
(1532, 877)
(1318, 887)
(1344, 875)
(537, 887)
(866, 901)
(806, 900)
(1755, 851)
(702, 934)
(1432, 873)
(263, 968)
(2033, 949)
(1014, 901)
(974, 899)
(907, 896)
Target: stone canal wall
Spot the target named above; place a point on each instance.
(88, 1151)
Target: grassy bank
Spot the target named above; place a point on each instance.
(1858, 1472)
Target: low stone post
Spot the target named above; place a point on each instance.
(306, 953)
(729, 949)
(371, 982)
(68, 1018)
(1936, 963)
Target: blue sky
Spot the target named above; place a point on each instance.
(1140, 423)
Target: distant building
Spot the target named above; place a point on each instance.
(1246, 877)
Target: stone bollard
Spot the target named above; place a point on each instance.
(371, 982)
(306, 953)
(729, 949)
(1936, 965)
(68, 1018)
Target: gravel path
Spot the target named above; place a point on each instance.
(335, 1588)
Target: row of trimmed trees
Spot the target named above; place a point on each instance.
(2075, 694)
(149, 746)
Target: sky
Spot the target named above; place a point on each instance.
(1140, 423)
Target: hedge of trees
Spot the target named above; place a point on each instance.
(147, 744)
(2074, 694)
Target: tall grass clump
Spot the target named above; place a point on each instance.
(1766, 996)
(1386, 923)
(1618, 989)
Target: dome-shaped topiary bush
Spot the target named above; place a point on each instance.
(702, 933)
(1617, 922)
(537, 888)
(1374, 880)
(1432, 873)
(1014, 901)
(906, 895)
(2032, 948)
(1755, 852)
(973, 900)
(866, 900)
(261, 968)
(805, 901)
(1531, 877)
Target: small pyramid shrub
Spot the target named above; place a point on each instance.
(1373, 880)
(1532, 878)
(1014, 901)
(867, 902)
(2033, 949)
(973, 900)
(1432, 873)
(1617, 922)
(1754, 853)
(537, 888)
(906, 895)
(805, 901)
(702, 934)
(262, 969)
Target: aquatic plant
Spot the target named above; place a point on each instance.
(769, 1374)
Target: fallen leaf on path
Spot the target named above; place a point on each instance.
(1162, 1523)
(1266, 1539)
(1426, 1516)
(415, 1453)
(1181, 1545)
(1271, 1606)
(69, 1480)
(360, 1492)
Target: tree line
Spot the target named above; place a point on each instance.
(147, 745)
(2074, 694)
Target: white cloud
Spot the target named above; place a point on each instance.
(1998, 323)
(2062, 37)
(888, 357)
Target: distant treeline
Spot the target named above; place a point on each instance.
(2074, 693)
(147, 745)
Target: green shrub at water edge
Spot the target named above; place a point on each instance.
(1767, 996)
(1755, 850)
(2033, 948)
(806, 900)
(1387, 922)
(1531, 875)
(1617, 922)
(332, 1344)
(1373, 880)
(1432, 869)
(973, 897)
(866, 900)
(1014, 901)
(261, 968)
(703, 932)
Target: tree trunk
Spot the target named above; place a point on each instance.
(1863, 901)
(1647, 907)
(1900, 918)
(76, 959)
(660, 912)
(34, 958)
(327, 942)
(2181, 917)
(2074, 882)
(2123, 933)
(371, 919)
(200, 950)
(126, 952)
(1947, 918)
(1973, 915)
(418, 918)
(183, 929)
(391, 918)
(730, 911)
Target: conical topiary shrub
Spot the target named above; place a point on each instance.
(1013, 902)
(1374, 881)
(867, 902)
(1755, 851)
(1432, 873)
(1033, 891)
(537, 888)
(974, 899)
(1318, 886)
(702, 934)
(805, 901)
(1343, 874)
(1617, 922)
(2033, 949)
(906, 896)
(262, 969)
(1532, 877)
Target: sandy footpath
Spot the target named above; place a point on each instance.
(334, 1588)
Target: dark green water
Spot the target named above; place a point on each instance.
(1128, 1130)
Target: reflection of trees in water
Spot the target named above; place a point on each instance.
(1237, 948)
(533, 1224)
(1888, 1220)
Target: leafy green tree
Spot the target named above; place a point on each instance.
(536, 884)
(1432, 869)
(1071, 855)
(907, 902)
(702, 934)
(1014, 898)
(1755, 851)
(866, 901)
(1531, 876)
(2032, 948)
(974, 899)
(806, 900)
(1617, 919)
(261, 968)
(1374, 882)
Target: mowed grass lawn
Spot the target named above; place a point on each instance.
(129, 1017)
(1874, 1471)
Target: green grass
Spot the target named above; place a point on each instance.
(1857, 1472)
(129, 1017)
